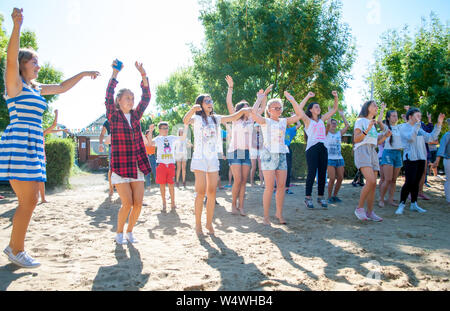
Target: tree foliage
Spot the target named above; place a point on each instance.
(297, 45)
(414, 70)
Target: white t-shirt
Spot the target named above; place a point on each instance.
(274, 133)
(128, 117)
(371, 137)
(180, 147)
(207, 138)
(333, 144)
(396, 138)
(241, 135)
(316, 133)
(165, 149)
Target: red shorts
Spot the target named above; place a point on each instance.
(165, 174)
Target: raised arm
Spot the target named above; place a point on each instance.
(146, 95)
(187, 119)
(151, 143)
(299, 108)
(380, 117)
(230, 105)
(236, 116)
(346, 126)
(331, 113)
(100, 139)
(109, 100)
(255, 112)
(13, 81)
(55, 122)
(53, 89)
(434, 135)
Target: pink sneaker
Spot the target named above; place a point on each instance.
(361, 214)
(423, 196)
(372, 216)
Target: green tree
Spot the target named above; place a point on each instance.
(47, 74)
(414, 71)
(297, 45)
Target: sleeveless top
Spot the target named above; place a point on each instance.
(316, 133)
(22, 155)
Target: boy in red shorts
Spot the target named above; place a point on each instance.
(165, 161)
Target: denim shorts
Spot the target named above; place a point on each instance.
(336, 163)
(392, 157)
(273, 161)
(239, 157)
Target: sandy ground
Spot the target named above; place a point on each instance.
(73, 238)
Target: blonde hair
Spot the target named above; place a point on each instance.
(270, 103)
(25, 55)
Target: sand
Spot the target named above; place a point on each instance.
(73, 238)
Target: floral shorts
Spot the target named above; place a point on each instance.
(273, 161)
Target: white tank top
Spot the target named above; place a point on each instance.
(316, 133)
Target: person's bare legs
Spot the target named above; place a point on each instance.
(27, 193)
(235, 190)
(183, 172)
(42, 192)
(111, 187)
(269, 180)
(172, 196)
(368, 191)
(392, 186)
(252, 172)
(178, 172)
(331, 179)
(138, 190)
(162, 189)
(126, 197)
(388, 171)
(280, 176)
(200, 190)
(261, 175)
(245, 171)
(211, 189)
(339, 178)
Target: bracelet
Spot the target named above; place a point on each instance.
(364, 133)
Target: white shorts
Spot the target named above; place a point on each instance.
(255, 153)
(116, 179)
(205, 165)
(180, 157)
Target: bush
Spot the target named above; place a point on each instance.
(60, 154)
(347, 153)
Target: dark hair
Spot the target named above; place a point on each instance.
(331, 120)
(410, 112)
(162, 123)
(388, 123)
(365, 109)
(199, 101)
(239, 106)
(308, 110)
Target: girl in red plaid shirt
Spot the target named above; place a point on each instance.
(129, 162)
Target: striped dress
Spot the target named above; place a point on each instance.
(21, 145)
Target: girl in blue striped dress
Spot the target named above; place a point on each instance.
(21, 146)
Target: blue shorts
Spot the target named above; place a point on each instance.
(239, 157)
(336, 163)
(392, 157)
(273, 161)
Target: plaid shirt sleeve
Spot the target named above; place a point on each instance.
(145, 100)
(109, 102)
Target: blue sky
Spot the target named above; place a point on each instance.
(78, 35)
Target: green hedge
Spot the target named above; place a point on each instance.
(60, 154)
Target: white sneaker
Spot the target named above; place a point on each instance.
(120, 239)
(400, 209)
(131, 238)
(22, 259)
(415, 208)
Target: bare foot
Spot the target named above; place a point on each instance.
(199, 232)
(381, 203)
(234, 210)
(281, 219)
(210, 229)
(44, 201)
(164, 209)
(173, 207)
(266, 221)
(392, 203)
(241, 211)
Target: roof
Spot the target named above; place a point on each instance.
(94, 129)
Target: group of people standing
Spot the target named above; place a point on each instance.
(258, 133)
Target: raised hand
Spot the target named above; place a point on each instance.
(441, 118)
(230, 82)
(311, 95)
(92, 74)
(140, 68)
(268, 90)
(196, 108)
(17, 17)
(334, 93)
(260, 94)
(341, 113)
(151, 127)
(371, 124)
(383, 106)
(115, 71)
(288, 96)
(429, 117)
(406, 107)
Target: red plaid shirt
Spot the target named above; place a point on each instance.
(127, 146)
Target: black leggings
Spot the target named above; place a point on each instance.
(317, 160)
(413, 174)
(289, 167)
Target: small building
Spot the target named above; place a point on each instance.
(88, 146)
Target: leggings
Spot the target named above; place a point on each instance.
(413, 174)
(289, 167)
(317, 160)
